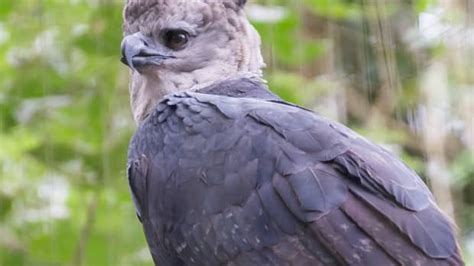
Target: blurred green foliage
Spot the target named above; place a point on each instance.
(65, 125)
(65, 121)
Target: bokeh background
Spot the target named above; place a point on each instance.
(398, 71)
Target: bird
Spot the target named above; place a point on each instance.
(222, 171)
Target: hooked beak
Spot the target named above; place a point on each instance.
(137, 52)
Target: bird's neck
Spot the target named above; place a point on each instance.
(255, 77)
(241, 87)
(147, 92)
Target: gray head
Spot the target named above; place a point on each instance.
(176, 45)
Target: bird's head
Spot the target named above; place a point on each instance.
(176, 45)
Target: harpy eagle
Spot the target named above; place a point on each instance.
(223, 171)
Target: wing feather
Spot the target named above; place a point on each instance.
(237, 179)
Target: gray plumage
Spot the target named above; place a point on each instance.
(236, 180)
(228, 173)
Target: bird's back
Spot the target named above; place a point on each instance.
(233, 175)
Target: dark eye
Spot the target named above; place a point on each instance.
(175, 39)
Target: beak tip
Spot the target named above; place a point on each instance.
(132, 67)
(128, 62)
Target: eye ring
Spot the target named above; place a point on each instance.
(175, 39)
